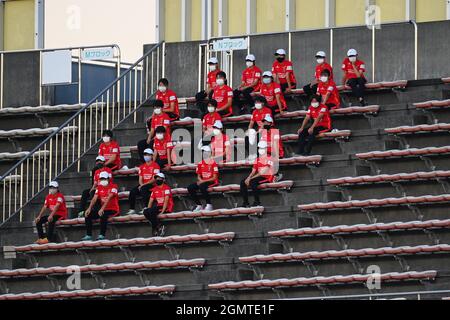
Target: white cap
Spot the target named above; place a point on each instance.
(218, 124)
(161, 175)
(100, 158)
(268, 74)
(148, 151)
(352, 52)
(54, 184)
(321, 54)
(268, 118)
(281, 52)
(206, 148)
(250, 57)
(104, 175)
(213, 60)
(262, 145)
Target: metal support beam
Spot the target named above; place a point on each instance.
(160, 20)
(186, 10)
(448, 9)
(223, 18)
(290, 15)
(410, 10)
(2, 30)
(39, 20)
(330, 13)
(251, 16)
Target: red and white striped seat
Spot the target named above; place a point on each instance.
(446, 80)
(374, 155)
(425, 128)
(433, 104)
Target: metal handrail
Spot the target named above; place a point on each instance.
(132, 72)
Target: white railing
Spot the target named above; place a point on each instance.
(65, 146)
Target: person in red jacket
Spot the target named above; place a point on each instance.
(260, 112)
(169, 98)
(262, 172)
(272, 137)
(163, 147)
(251, 82)
(220, 144)
(147, 173)
(329, 92)
(104, 206)
(283, 72)
(213, 65)
(223, 94)
(111, 151)
(56, 205)
(210, 118)
(161, 202)
(207, 177)
(322, 64)
(273, 94)
(320, 116)
(354, 69)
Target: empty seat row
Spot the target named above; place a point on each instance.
(7, 156)
(340, 279)
(139, 266)
(191, 238)
(375, 203)
(350, 253)
(377, 227)
(92, 294)
(34, 132)
(433, 104)
(41, 109)
(423, 128)
(388, 178)
(413, 152)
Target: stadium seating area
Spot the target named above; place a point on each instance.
(375, 192)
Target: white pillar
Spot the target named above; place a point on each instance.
(186, 10)
(448, 9)
(290, 15)
(410, 10)
(39, 24)
(222, 22)
(330, 13)
(160, 20)
(251, 16)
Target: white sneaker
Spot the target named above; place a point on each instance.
(131, 212)
(198, 209)
(209, 207)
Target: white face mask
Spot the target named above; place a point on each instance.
(52, 191)
(267, 80)
(106, 139)
(212, 68)
(324, 79)
(158, 111)
(104, 183)
(352, 59)
(249, 64)
(315, 104)
(320, 60)
(147, 158)
(220, 82)
(217, 132)
(211, 109)
(258, 106)
(162, 89)
(262, 152)
(159, 136)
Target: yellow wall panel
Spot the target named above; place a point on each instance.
(237, 17)
(270, 16)
(173, 20)
(196, 20)
(392, 11)
(350, 12)
(310, 16)
(19, 25)
(431, 10)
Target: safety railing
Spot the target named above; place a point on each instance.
(77, 57)
(65, 146)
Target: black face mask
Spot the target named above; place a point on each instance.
(280, 59)
(159, 182)
(267, 126)
(100, 164)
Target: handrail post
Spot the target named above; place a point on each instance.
(416, 49)
(373, 52)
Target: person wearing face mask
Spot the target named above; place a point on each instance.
(354, 69)
(283, 72)
(328, 90)
(271, 136)
(260, 112)
(273, 94)
(320, 116)
(223, 94)
(146, 173)
(169, 98)
(104, 206)
(220, 144)
(111, 151)
(210, 118)
(161, 202)
(213, 70)
(262, 172)
(251, 82)
(311, 89)
(89, 193)
(158, 119)
(163, 147)
(56, 205)
(207, 177)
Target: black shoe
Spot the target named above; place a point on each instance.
(160, 231)
(245, 205)
(362, 103)
(256, 204)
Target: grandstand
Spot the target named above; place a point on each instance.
(374, 192)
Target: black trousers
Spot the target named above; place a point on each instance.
(142, 145)
(200, 98)
(284, 86)
(162, 162)
(254, 183)
(306, 140)
(85, 197)
(243, 98)
(358, 86)
(310, 90)
(103, 220)
(50, 227)
(203, 188)
(144, 192)
(152, 215)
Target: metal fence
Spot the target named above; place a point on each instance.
(66, 145)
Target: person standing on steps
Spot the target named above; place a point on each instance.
(169, 99)
(213, 65)
(262, 172)
(161, 202)
(251, 82)
(322, 64)
(147, 173)
(207, 177)
(104, 206)
(283, 72)
(354, 70)
(55, 204)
